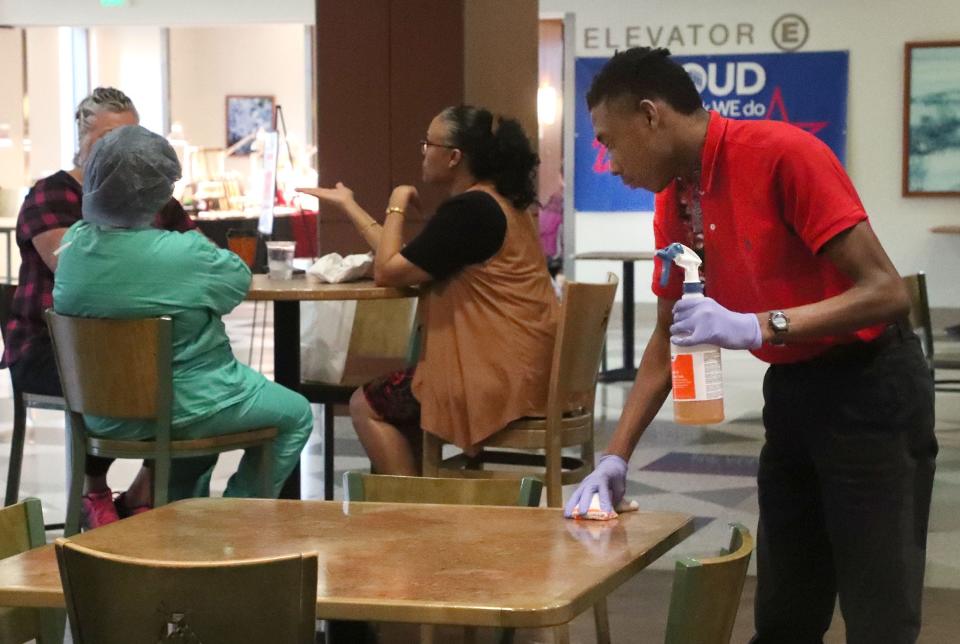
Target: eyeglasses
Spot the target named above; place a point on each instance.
(424, 143)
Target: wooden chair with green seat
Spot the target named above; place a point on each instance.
(446, 491)
(379, 343)
(21, 529)
(117, 600)
(706, 593)
(568, 418)
(922, 325)
(22, 400)
(122, 369)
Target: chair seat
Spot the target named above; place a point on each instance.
(40, 401)
(193, 447)
(531, 433)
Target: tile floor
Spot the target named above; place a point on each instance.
(705, 471)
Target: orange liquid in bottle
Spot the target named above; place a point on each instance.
(698, 412)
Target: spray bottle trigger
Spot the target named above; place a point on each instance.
(667, 255)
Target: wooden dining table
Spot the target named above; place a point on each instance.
(506, 567)
(286, 296)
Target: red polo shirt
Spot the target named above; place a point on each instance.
(772, 196)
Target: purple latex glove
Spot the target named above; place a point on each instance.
(703, 321)
(608, 479)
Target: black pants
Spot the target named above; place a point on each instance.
(845, 479)
(36, 373)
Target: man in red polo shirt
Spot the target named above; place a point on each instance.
(795, 274)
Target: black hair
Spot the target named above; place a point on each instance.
(645, 73)
(500, 154)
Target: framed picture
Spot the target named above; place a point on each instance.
(931, 119)
(246, 115)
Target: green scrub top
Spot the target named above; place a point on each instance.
(121, 273)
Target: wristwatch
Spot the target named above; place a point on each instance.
(780, 324)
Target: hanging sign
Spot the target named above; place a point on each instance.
(808, 90)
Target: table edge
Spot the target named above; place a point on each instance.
(449, 613)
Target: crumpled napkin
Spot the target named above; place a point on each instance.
(334, 268)
(595, 513)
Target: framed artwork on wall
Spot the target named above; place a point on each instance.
(931, 119)
(245, 116)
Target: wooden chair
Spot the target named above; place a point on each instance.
(706, 593)
(921, 323)
(419, 489)
(569, 415)
(446, 491)
(378, 345)
(21, 529)
(22, 400)
(117, 600)
(122, 369)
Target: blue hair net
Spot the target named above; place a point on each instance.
(128, 178)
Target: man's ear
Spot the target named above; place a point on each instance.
(649, 112)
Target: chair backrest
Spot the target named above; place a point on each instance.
(706, 593)
(117, 600)
(919, 316)
(448, 491)
(379, 339)
(584, 314)
(21, 529)
(116, 368)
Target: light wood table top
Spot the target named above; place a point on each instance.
(439, 564)
(618, 256)
(306, 287)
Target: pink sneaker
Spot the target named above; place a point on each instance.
(123, 508)
(98, 509)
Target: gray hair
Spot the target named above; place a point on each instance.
(102, 99)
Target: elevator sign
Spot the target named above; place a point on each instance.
(808, 90)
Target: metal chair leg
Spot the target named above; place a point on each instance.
(16, 449)
(328, 419)
(602, 621)
(78, 455)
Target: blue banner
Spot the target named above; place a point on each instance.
(808, 90)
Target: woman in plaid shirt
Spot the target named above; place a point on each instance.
(50, 208)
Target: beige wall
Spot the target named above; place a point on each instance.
(131, 59)
(207, 64)
(500, 58)
(11, 109)
(43, 87)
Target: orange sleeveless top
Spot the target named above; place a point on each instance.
(488, 339)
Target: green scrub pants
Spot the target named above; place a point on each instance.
(271, 406)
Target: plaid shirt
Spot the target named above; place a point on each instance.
(54, 202)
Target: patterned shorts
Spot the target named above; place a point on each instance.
(391, 396)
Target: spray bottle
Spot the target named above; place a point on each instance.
(696, 370)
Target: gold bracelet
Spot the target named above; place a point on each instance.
(397, 209)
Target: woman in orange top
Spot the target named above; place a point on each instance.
(488, 308)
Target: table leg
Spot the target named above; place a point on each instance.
(286, 368)
(628, 372)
